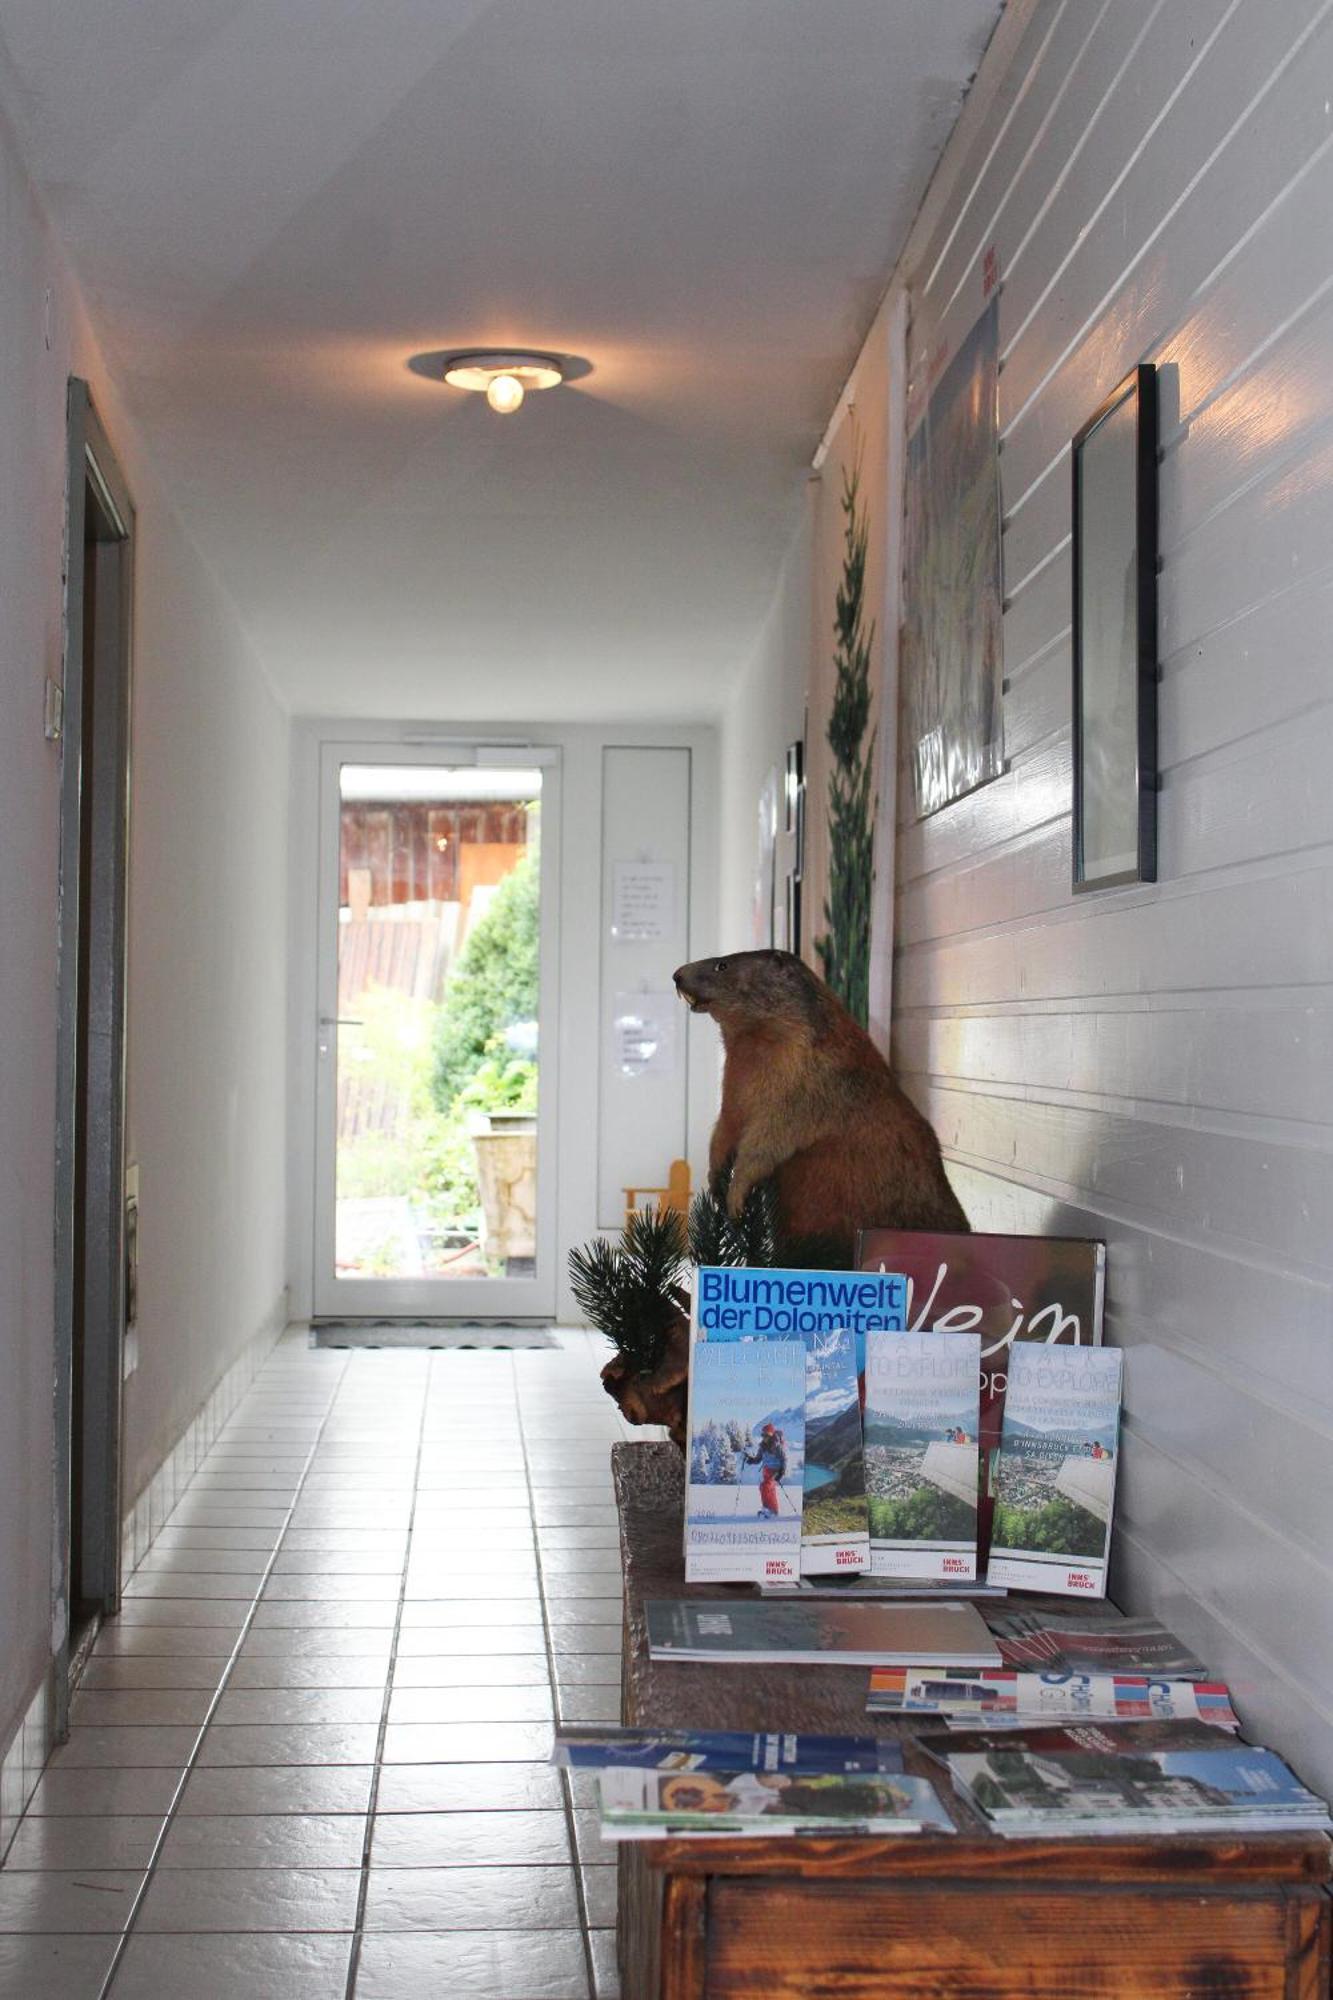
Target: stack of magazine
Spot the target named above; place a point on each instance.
(814, 1631)
(728, 1785)
(1006, 1699)
(1050, 1784)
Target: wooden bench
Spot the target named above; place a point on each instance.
(924, 1917)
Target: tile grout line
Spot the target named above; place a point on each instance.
(566, 1783)
(191, 1762)
(372, 1803)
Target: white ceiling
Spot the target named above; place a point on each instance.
(272, 204)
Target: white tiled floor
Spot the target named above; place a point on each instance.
(308, 1761)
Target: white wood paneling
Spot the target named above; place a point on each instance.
(1155, 1065)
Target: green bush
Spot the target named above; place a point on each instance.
(1059, 1526)
(500, 1086)
(494, 985)
(929, 1514)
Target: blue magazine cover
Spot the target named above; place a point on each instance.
(600, 1749)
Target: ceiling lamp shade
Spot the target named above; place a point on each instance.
(503, 376)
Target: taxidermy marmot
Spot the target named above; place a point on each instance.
(808, 1100)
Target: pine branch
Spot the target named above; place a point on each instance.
(844, 949)
(631, 1289)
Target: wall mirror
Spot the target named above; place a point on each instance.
(1115, 638)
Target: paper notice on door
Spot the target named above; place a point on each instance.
(643, 901)
(644, 1030)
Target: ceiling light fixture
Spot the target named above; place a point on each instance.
(504, 376)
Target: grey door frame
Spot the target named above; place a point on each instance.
(92, 902)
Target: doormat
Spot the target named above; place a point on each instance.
(424, 1333)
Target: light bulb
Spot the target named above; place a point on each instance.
(504, 393)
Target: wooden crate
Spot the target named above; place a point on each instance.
(924, 1917)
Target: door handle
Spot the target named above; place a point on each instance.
(339, 1021)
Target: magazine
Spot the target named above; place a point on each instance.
(831, 1311)
(746, 1450)
(835, 1525)
(887, 1589)
(921, 1419)
(1055, 1477)
(1111, 1739)
(637, 1804)
(750, 1631)
(1022, 1793)
(601, 1749)
(1045, 1640)
(1005, 1289)
(999, 1697)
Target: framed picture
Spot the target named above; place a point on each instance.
(1115, 638)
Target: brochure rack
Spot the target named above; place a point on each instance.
(914, 1917)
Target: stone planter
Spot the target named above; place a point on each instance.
(507, 1178)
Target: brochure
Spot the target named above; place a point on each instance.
(1022, 1793)
(921, 1421)
(999, 1697)
(751, 1631)
(887, 1589)
(1129, 1646)
(602, 1749)
(1055, 1477)
(832, 1312)
(1046, 1289)
(835, 1523)
(746, 1452)
(752, 1804)
(1111, 1739)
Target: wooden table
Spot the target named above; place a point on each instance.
(925, 1917)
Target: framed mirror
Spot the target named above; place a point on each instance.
(1115, 638)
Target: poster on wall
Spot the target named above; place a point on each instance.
(952, 657)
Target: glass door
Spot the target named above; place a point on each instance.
(435, 1034)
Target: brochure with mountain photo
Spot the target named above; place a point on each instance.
(1006, 1289)
(833, 1312)
(745, 1461)
(922, 1404)
(1055, 1476)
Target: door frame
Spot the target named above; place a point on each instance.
(99, 899)
(507, 1299)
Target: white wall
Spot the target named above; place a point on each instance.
(1156, 1065)
(208, 890)
(580, 1038)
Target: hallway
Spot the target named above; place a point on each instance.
(308, 1760)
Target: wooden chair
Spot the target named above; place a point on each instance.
(675, 1195)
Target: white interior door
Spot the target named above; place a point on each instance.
(436, 1092)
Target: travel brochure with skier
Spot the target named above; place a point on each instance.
(922, 1404)
(833, 1312)
(745, 1461)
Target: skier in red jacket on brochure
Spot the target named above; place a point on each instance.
(771, 1458)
